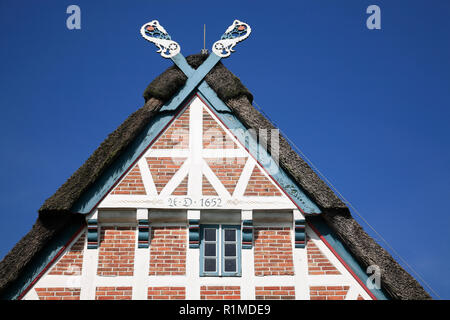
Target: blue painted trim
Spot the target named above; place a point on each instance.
(300, 239)
(181, 62)
(211, 96)
(94, 194)
(344, 253)
(143, 233)
(238, 272)
(194, 78)
(92, 238)
(247, 234)
(204, 88)
(39, 262)
(194, 233)
(285, 181)
(202, 250)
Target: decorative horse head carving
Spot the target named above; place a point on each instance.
(235, 33)
(154, 32)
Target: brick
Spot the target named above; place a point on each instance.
(58, 293)
(328, 292)
(131, 184)
(116, 251)
(220, 293)
(163, 169)
(272, 257)
(168, 251)
(71, 262)
(260, 185)
(113, 293)
(166, 293)
(176, 136)
(207, 188)
(182, 188)
(214, 137)
(227, 170)
(318, 263)
(275, 293)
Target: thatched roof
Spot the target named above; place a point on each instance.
(44, 229)
(395, 280)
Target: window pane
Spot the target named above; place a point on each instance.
(210, 234)
(230, 265)
(210, 249)
(210, 265)
(230, 235)
(230, 250)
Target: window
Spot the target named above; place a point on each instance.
(220, 250)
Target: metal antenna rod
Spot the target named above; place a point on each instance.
(204, 50)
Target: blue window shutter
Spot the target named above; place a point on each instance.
(143, 234)
(300, 233)
(247, 234)
(194, 229)
(92, 242)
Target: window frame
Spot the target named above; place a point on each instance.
(220, 250)
(216, 227)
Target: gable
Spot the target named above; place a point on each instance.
(197, 162)
(198, 80)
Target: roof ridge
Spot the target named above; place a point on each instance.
(220, 79)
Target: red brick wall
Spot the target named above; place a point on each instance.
(168, 251)
(131, 184)
(72, 261)
(220, 293)
(182, 188)
(273, 251)
(328, 292)
(166, 293)
(275, 293)
(113, 293)
(163, 169)
(259, 185)
(318, 264)
(177, 135)
(227, 170)
(207, 188)
(58, 293)
(116, 252)
(214, 137)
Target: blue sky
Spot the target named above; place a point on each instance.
(370, 108)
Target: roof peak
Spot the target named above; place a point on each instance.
(220, 79)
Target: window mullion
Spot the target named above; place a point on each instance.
(218, 272)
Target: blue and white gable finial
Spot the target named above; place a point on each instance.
(235, 33)
(154, 32)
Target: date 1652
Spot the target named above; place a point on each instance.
(189, 202)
